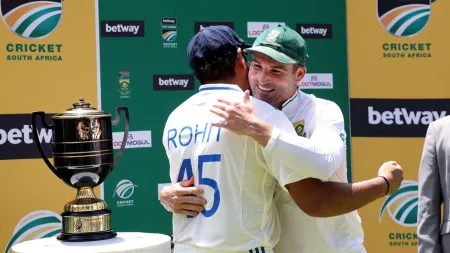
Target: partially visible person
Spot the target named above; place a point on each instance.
(279, 57)
(433, 229)
(239, 176)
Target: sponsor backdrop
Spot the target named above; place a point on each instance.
(48, 61)
(397, 58)
(144, 66)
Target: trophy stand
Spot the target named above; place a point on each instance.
(86, 218)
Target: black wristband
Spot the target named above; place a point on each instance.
(388, 186)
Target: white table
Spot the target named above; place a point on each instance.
(123, 242)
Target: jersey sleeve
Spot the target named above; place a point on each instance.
(277, 168)
(319, 156)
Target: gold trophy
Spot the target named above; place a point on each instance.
(83, 158)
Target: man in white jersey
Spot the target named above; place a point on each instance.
(238, 175)
(279, 56)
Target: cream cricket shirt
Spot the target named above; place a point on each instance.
(322, 152)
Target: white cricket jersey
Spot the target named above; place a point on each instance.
(237, 175)
(322, 121)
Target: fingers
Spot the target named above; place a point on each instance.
(246, 96)
(187, 183)
(224, 101)
(194, 208)
(188, 212)
(219, 113)
(192, 200)
(190, 205)
(188, 191)
(220, 107)
(218, 124)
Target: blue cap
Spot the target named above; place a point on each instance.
(211, 44)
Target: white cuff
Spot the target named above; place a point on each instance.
(273, 139)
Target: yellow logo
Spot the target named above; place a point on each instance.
(299, 127)
(35, 225)
(402, 206)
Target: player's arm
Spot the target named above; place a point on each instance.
(326, 199)
(181, 198)
(316, 157)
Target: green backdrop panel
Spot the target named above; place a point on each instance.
(147, 52)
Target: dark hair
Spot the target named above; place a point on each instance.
(297, 66)
(218, 69)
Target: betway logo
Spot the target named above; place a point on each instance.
(394, 117)
(16, 136)
(198, 26)
(136, 139)
(401, 116)
(173, 82)
(169, 20)
(254, 29)
(122, 28)
(315, 31)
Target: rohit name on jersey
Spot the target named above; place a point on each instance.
(198, 133)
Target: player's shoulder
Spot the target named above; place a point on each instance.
(181, 109)
(328, 109)
(263, 109)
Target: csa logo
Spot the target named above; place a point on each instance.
(124, 84)
(31, 19)
(169, 35)
(169, 32)
(405, 19)
(124, 190)
(35, 225)
(299, 127)
(402, 206)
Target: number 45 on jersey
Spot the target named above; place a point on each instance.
(186, 169)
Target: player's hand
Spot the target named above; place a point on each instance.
(393, 172)
(237, 116)
(177, 198)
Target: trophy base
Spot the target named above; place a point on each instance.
(86, 218)
(95, 236)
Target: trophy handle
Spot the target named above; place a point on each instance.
(125, 133)
(36, 138)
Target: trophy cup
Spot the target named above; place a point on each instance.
(83, 157)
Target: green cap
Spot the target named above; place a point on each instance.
(282, 44)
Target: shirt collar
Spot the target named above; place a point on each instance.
(293, 104)
(219, 86)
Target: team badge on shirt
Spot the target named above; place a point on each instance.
(299, 127)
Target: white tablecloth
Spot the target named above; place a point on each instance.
(123, 242)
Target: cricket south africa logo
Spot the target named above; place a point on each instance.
(31, 19)
(404, 18)
(124, 189)
(402, 206)
(169, 32)
(35, 225)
